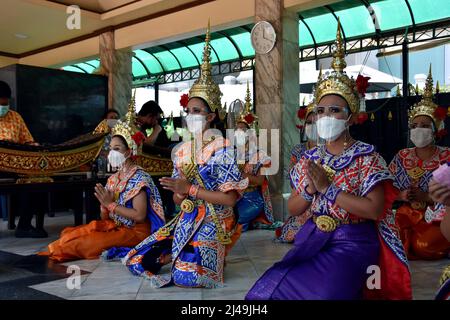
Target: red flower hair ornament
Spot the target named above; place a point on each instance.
(138, 137)
(440, 113)
(301, 113)
(362, 83)
(249, 118)
(184, 100)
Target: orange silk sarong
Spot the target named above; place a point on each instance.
(88, 241)
(420, 239)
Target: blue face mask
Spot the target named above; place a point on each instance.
(3, 110)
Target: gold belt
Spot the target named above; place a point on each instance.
(188, 205)
(445, 275)
(418, 205)
(327, 223)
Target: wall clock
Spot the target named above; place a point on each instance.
(263, 37)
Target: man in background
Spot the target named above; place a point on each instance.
(112, 114)
(12, 126)
(13, 129)
(156, 143)
(148, 119)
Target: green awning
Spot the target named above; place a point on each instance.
(84, 67)
(360, 19)
(364, 18)
(226, 46)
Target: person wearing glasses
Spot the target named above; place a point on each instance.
(343, 183)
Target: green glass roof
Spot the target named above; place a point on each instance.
(362, 18)
(355, 27)
(359, 19)
(391, 14)
(146, 61)
(226, 46)
(74, 69)
(84, 67)
(185, 56)
(426, 10)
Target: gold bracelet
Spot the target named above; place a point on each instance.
(193, 191)
(112, 206)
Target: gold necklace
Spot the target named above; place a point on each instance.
(330, 171)
(188, 205)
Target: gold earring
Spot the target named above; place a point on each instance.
(346, 140)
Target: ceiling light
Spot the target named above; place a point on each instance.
(21, 36)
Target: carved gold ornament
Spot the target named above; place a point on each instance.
(247, 116)
(325, 223)
(45, 163)
(426, 107)
(205, 87)
(155, 165)
(338, 82)
(187, 206)
(445, 275)
(415, 173)
(126, 127)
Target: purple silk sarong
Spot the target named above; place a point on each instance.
(322, 265)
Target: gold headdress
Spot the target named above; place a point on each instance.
(127, 129)
(338, 82)
(310, 108)
(426, 107)
(205, 87)
(304, 112)
(247, 116)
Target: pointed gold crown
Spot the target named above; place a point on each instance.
(338, 82)
(310, 108)
(126, 127)
(247, 116)
(205, 87)
(305, 111)
(426, 106)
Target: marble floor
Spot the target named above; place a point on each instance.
(26, 276)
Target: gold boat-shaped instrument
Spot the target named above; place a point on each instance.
(39, 163)
(155, 166)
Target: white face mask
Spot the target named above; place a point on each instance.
(195, 122)
(116, 159)
(111, 122)
(421, 137)
(240, 136)
(4, 110)
(329, 128)
(311, 132)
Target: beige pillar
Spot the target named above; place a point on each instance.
(277, 91)
(116, 64)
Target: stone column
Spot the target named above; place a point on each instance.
(116, 64)
(277, 91)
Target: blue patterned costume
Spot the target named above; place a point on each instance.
(255, 206)
(192, 237)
